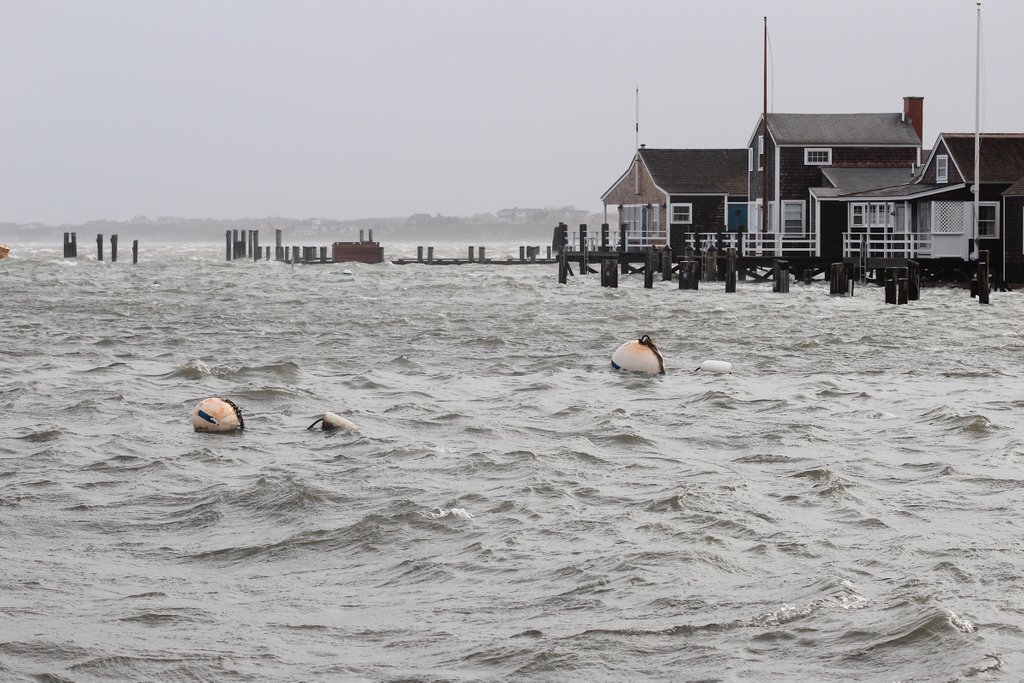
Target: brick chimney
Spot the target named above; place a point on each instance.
(913, 109)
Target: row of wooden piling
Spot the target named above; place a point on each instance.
(527, 254)
(245, 244)
(71, 247)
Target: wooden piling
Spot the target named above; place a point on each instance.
(67, 244)
(360, 235)
(419, 254)
(901, 285)
(113, 248)
(522, 253)
(99, 247)
(984, 284)
(780, 272)
(604, 237)
(730, 270)
(74, 245)
(227, 245)
(623, 227)
(563, 267)
(688, 274)
(135, 251)
(482, 250)
(278, 248)
(666, 264)
(583, 238)
(913, 280)
(891, 295)
(430, 254)
(649, 269)
(471, 254)
(711, 264)
(323, 254)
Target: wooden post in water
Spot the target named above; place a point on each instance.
(360, 235)
(901, 285)
(323, 254)
(67, 244)
(113, 248)
(623, 227)
(711, 264)
(891, 295)
(604, 237)
(278, 249)
(689, 274)
(135, 251)
(522, 253)
(99, 247)
(780, 270)
(563, 267)
(419, 254)
(268, 253)
(227, 245)
(583, 240)
(984, 284)
(649, 269)
(549, 252)
(74, 245)
(483, 251)
(666, 264)
(471, 254)
(913, 280)
(730, 270)
(369, 234)
(257, 253)
(430, 254)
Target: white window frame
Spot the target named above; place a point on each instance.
(760, 152)
(688, 206)
(861, 220)
(794, 229)
(942, 168)
(995, 222)
(879, 214)
(809, 151)
(750, 159)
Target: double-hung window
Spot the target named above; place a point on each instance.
(793, 217)
(988, 220)
(682, 213)
(942, 168)
(858, 215)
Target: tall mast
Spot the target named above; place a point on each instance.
(763, 143)
(977, 133)
(636, 163)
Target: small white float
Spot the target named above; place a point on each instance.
(217, 415)
(331, 421)
(639, 355)
(717, 366)
(347, 275)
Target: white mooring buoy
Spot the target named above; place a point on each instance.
(639, 355)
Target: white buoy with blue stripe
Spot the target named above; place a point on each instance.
(217, 415)
(639, 355)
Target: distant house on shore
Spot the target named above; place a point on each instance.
(665, 193)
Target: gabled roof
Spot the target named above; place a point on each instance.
(861, 179)
(1002, 155)
(1015, 190)
(902, 191)
(682, 171)
(841, 129)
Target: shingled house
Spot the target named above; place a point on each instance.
(932, 215)
(797, 155)
(668, 192)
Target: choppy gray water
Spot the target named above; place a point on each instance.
(846, 506)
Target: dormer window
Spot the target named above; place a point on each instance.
(818, 156)
(942, 168)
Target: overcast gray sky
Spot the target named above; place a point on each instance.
(348, 109)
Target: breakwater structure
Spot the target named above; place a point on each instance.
(728, 257)
(528, 255)
(71, 247)
(245, 244)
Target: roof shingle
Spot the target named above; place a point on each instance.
(842, 129)
(679, 171)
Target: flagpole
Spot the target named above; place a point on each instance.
(977, 134)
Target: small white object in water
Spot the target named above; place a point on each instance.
(719, 366)
(639, 355)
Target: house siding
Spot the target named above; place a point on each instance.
(929, 173)
(1013, 235)
(625, 192)
(708, 212)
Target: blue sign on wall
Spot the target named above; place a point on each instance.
(737, 217)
